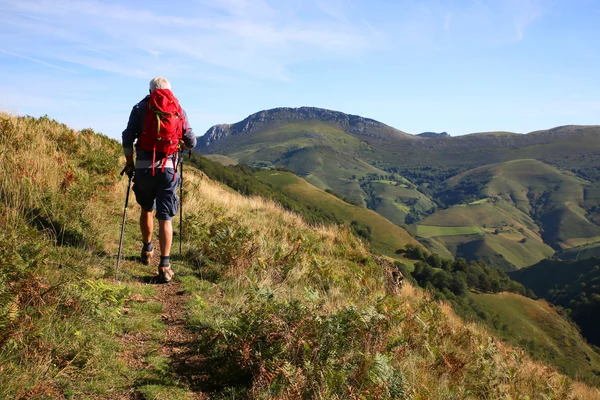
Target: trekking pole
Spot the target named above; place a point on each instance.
(180, 201)
(122, 227)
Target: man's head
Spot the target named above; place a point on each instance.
(159, 83)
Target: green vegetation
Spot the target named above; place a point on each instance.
(485, 294)
(240, 178)
(540, 329)
(451, 279)
(385, 237)
(548, 180)
(225, 161)
(60, 320)
(263, 305)
(574, 285)
(494, 231)
(431, 231)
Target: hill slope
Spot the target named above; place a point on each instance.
(524, 212)
(263, 305)
(538, 326)
(547, 180)
(574, 285)
(384, 236)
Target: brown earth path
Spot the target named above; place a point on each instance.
(177, 344)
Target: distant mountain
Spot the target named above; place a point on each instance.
(507, 198)
(350, 123)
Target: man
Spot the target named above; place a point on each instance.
(155, 185)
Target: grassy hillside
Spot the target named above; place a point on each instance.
(491, 230)
(526, 209)
(384, 236)
(552, 197)
(574, 285)
(326, 168)
(397, 199)
(262, 306)
(540, 328)
(549, 180)
(223, 160)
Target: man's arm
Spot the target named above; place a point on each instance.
(134, 128)
(131, 133)
(189, 138)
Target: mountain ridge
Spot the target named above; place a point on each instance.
(353, 123)
(370, 128)
(406, 178)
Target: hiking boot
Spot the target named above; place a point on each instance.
(165, 274)
(146, 256)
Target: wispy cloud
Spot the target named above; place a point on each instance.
(240, 35)
(447, 24)
(524, 13)
(35, 60)
(333, 8)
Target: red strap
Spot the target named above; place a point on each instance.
(153, 160)
(175, 158)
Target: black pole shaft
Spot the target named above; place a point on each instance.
(180, 202)
(122, 230)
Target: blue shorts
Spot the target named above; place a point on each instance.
(157, 192)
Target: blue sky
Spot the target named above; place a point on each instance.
(459, 66)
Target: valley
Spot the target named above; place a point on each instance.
(508, 199)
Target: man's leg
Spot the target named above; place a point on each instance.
(146, 225)
(166, 208)
(146, 228)
(165, 237)
(144, 189)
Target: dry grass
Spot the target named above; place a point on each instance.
(326, 273)
(442, 358)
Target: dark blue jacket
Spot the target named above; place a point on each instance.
(135, 126)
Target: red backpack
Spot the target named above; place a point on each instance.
(163, 127)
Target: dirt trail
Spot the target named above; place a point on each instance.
(179, 343)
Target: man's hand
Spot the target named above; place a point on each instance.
(129, 170)
(183, 146)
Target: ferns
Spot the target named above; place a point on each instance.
(20, 261)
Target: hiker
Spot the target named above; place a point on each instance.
(155, 171)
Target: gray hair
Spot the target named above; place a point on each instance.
(159, 83)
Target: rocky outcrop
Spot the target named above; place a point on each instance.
(353, 124)
(380, 135)
(430, 135)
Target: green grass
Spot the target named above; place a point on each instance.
(538, 327)
(223, 160)
(395, 202)
(507, 237)
(515, 168)
(582, 252)
(274, 140)
(280, 308)
(386, 237)
(328, 168)
(542, 191)
(433, 231)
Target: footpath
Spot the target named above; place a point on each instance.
(157, 346)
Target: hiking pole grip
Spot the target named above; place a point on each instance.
(123, 228)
